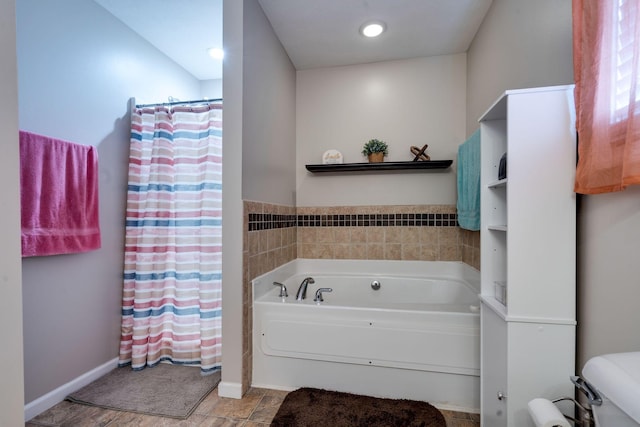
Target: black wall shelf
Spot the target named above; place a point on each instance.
(383, 166)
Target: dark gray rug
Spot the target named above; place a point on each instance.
(310, 407)
(164, 390)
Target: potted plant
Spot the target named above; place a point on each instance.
(375, 150)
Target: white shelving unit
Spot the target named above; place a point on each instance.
(528, 236)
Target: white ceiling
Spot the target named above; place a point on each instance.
(315, 33)
(182, 29)
(324, 33)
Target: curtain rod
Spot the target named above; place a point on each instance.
(200, 101)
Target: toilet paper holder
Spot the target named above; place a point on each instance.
(586, 415)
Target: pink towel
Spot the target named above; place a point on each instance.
(59, 196)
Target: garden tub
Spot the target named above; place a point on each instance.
(414, 337)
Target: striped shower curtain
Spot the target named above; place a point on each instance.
(171, 306)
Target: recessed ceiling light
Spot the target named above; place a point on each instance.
(216, 53)
(373, 28)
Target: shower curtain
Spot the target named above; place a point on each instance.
(171, 306)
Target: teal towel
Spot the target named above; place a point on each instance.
(469, 183)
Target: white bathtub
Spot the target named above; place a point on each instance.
(417, 337)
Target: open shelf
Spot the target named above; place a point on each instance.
(383, 166)
(495, 305)
(498, 184)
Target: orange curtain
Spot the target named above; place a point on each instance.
(606, 55)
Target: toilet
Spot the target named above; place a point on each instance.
(615, 379)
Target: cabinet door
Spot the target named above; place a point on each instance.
(494, 369)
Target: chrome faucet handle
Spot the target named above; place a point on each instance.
(319, 292)
(283, 289)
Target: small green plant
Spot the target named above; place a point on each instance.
(375, 146)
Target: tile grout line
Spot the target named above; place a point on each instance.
(254, 409)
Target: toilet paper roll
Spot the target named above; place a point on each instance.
(545, 414)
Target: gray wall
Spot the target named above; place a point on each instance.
(77, 68)
(211, 89)
(11, 363)
(523, 43)
(231, 384)
(520, 44)
(259, 154)
(407, 102)
(608, 272)
(269, 113)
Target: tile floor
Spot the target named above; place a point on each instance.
(256, 409)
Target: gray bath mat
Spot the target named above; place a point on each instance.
(164, 390)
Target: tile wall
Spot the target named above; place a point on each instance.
(269, 240)
(470, 247)
(427, 232)
(276, 234)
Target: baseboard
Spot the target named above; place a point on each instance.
(273, 387)
(232, 390)
(56, 396)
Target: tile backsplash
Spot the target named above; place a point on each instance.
(416, 232)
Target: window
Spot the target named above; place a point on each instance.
(624, 61)
(606, 54)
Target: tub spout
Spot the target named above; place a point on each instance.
(302, 290)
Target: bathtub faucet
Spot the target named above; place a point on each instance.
(302, 290)
(283, 289)
(318, 299)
